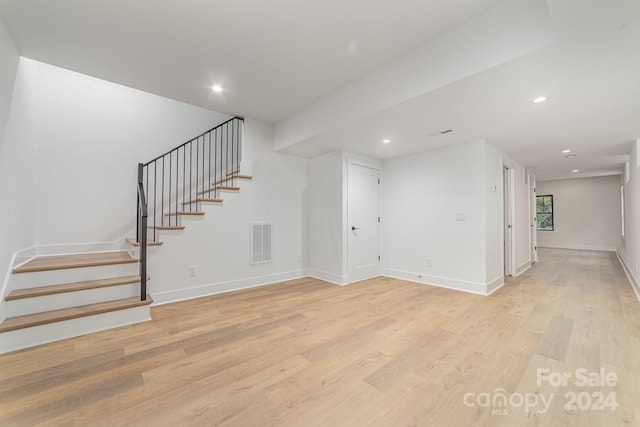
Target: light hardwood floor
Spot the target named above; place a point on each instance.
(380, 352)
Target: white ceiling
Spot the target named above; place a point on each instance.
(277, 58)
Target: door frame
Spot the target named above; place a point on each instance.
(533, 246)
(351, 162)
(508, 219)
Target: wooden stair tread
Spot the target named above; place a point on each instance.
(219, 188)
(43, 318)
(71, 287)
(167, 227)
(61, 262)
(232, 177)
(133, 242)
(203, 200)
(184, 213)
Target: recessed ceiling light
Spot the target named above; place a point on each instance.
(575, 170)
(566, 151)
(216, 88)
(386, 141)
(540, 99)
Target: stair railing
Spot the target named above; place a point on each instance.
(141, 232)
(180, 180)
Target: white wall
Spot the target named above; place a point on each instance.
(586, 213)
(8, 67)
(218, 244)
(422, 195)
(629, 247)
(325, 227)
(89, 136)
(16, 168)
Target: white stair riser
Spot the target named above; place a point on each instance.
(24, 306)
(71, 275)
(29, 337)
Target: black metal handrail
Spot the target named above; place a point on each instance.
(180, 180)
(141, 232)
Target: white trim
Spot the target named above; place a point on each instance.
(495, 284)
(160, 298)
(627, 270)
(523, 267)
(336, 279)
(29, 337)
(4, 291)
(578, 247)
(443, 282)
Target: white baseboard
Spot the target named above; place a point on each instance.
(577, 247)
(627, 270)
(43, 334)
(523, 267)
(160, 298)
(444, 282)
(495, 284)
(336, 279)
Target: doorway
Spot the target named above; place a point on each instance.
(363, 222)
(507, 188)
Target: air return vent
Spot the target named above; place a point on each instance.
(261, 242)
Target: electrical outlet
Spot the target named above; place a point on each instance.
(429, 262)
(192, 271)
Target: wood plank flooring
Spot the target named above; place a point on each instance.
(380, 352)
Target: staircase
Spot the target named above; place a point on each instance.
(55, 297)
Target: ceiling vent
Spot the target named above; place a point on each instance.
(442, 132)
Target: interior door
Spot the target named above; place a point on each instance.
(507, 221)
(364, 225)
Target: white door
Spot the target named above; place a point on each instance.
(507, 221)
(364, 226)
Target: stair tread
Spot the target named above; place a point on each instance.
(61, 262)
(219, 188)
(203, 200)
(133, 242)
(184, 213)
(45, 317)
(167, 227)
(232, 177)
(71, 287)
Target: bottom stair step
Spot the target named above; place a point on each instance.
(43, 318)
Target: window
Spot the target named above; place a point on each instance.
(544, 212)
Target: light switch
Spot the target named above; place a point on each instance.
(460, 216)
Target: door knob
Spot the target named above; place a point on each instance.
(354, 228)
